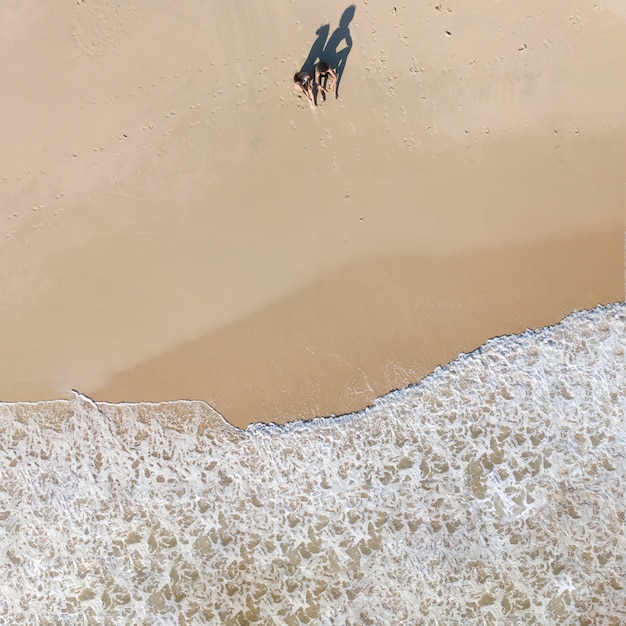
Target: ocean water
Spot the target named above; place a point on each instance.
(493, 492)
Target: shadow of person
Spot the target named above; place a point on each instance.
(316, 50)
(336, 52)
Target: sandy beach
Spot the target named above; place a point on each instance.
(177, 224)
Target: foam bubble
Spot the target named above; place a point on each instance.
(493, 492)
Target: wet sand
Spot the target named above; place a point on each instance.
(385, 324)
(177, 224)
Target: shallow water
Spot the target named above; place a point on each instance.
(494, 492)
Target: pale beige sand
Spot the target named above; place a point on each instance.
(176, 224)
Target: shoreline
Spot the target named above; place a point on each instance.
(64, 408)
(299, 368)
(384, 334)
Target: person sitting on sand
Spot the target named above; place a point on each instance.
(302, 82)
(325, 78)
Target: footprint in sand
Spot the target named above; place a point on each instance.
(410, 143)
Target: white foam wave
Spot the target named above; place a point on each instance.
(493, 492)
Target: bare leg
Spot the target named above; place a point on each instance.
(311, 96)
(318, 82)
(321, 88)
(333, 82)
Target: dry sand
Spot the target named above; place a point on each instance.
(175, 223)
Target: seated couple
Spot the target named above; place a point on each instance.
(325, 80)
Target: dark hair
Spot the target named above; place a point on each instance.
(296, 77)
(323, 67)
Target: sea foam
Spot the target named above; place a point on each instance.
(493, 492)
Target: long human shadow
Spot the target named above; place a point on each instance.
(334, 53)
(317, 50)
